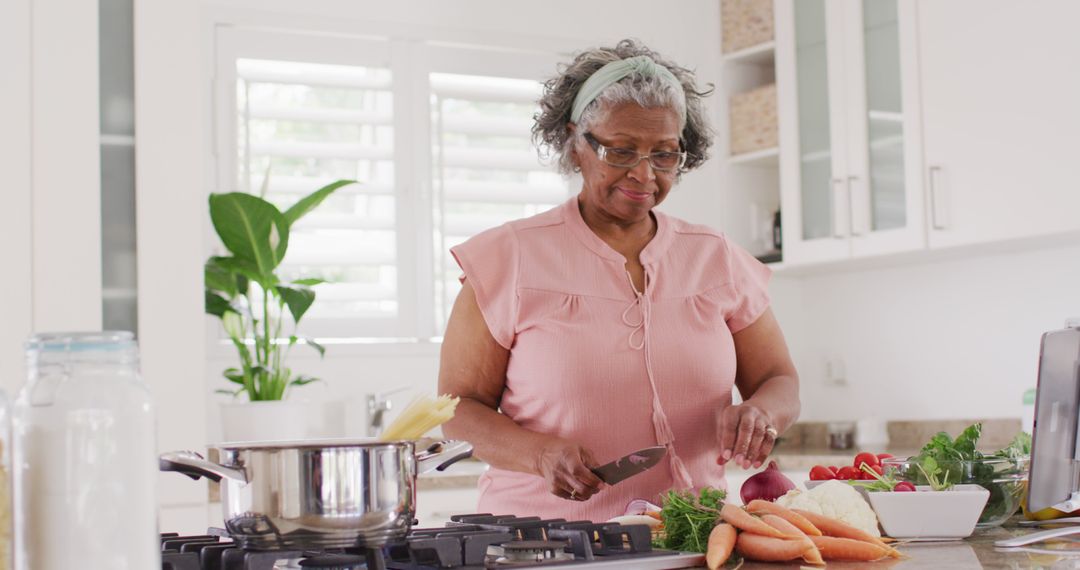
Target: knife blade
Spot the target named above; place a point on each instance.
(631, 464)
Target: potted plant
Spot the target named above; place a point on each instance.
(254, 302)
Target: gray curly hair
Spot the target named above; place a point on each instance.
(552, 136)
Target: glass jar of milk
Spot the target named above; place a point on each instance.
(85, 456)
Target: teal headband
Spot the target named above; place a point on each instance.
(615, 71)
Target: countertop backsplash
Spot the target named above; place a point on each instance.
(903, 434)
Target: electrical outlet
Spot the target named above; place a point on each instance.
(835, 373)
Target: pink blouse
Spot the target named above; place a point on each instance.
(594, 361)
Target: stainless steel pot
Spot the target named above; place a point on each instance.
(319, 494)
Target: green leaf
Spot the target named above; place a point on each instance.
(298, 299)
(217, 305)
(309, 282)
(232, 393)
(1020, 447)
(317, 346)
(941, 445)
(234, 375)
(218, 277)
(309, 202)
(930, 466)
(930, 470)
(302, 380)
(251, 228)
(966, 441)
(245, 270)
(230, 274)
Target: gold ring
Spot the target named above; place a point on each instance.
(573, 495)
(772, 432)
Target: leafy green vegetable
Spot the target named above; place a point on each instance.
(942, 447)
(965, 442)
(688, 519)
(929, 468)
(1020, 447)
(944, 462)
(884, 482)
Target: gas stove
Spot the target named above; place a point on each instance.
(467, 542)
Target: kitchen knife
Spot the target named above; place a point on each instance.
(630, 465)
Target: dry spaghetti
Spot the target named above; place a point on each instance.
(422, 415)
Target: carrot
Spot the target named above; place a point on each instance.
(839, 529)
(833, 548)
(721, 542)
(767, 548)
(758, 506)
(742, 520)
(811, 554)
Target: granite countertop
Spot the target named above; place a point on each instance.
(974, 552)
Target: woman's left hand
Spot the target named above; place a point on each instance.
(746, 435)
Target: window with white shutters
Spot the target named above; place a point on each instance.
(304, 125)
(302, 110)
(486, 170)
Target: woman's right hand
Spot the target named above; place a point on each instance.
(564, 464)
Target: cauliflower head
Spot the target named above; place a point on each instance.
(834, 499)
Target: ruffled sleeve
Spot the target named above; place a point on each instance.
(750, 278)
(489, 261)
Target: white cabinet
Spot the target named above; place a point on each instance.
(849, 114)
(1001, 114)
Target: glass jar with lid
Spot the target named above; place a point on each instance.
(85, 456)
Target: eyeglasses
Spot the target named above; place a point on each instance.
(664, 161)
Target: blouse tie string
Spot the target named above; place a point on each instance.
(662, 427)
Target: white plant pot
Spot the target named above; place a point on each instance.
(282, 420)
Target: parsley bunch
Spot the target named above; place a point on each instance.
(688, 519)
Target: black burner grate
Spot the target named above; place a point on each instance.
(468, 542)
(215, 551)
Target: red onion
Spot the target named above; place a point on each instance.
(640, 507)
(767, 485)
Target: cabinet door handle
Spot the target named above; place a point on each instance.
(837, 199)
(851, 180)
(939, 210)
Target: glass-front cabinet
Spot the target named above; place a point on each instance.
(850, 179)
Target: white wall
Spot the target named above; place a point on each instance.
(946, 339)
(171, 115)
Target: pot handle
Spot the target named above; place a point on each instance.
(442, 454)
(193, 465)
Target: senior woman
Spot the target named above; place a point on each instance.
(603, 326)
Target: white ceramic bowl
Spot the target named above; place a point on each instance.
(924, 513)
(1004, 478)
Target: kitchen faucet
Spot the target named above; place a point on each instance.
(377, 406)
